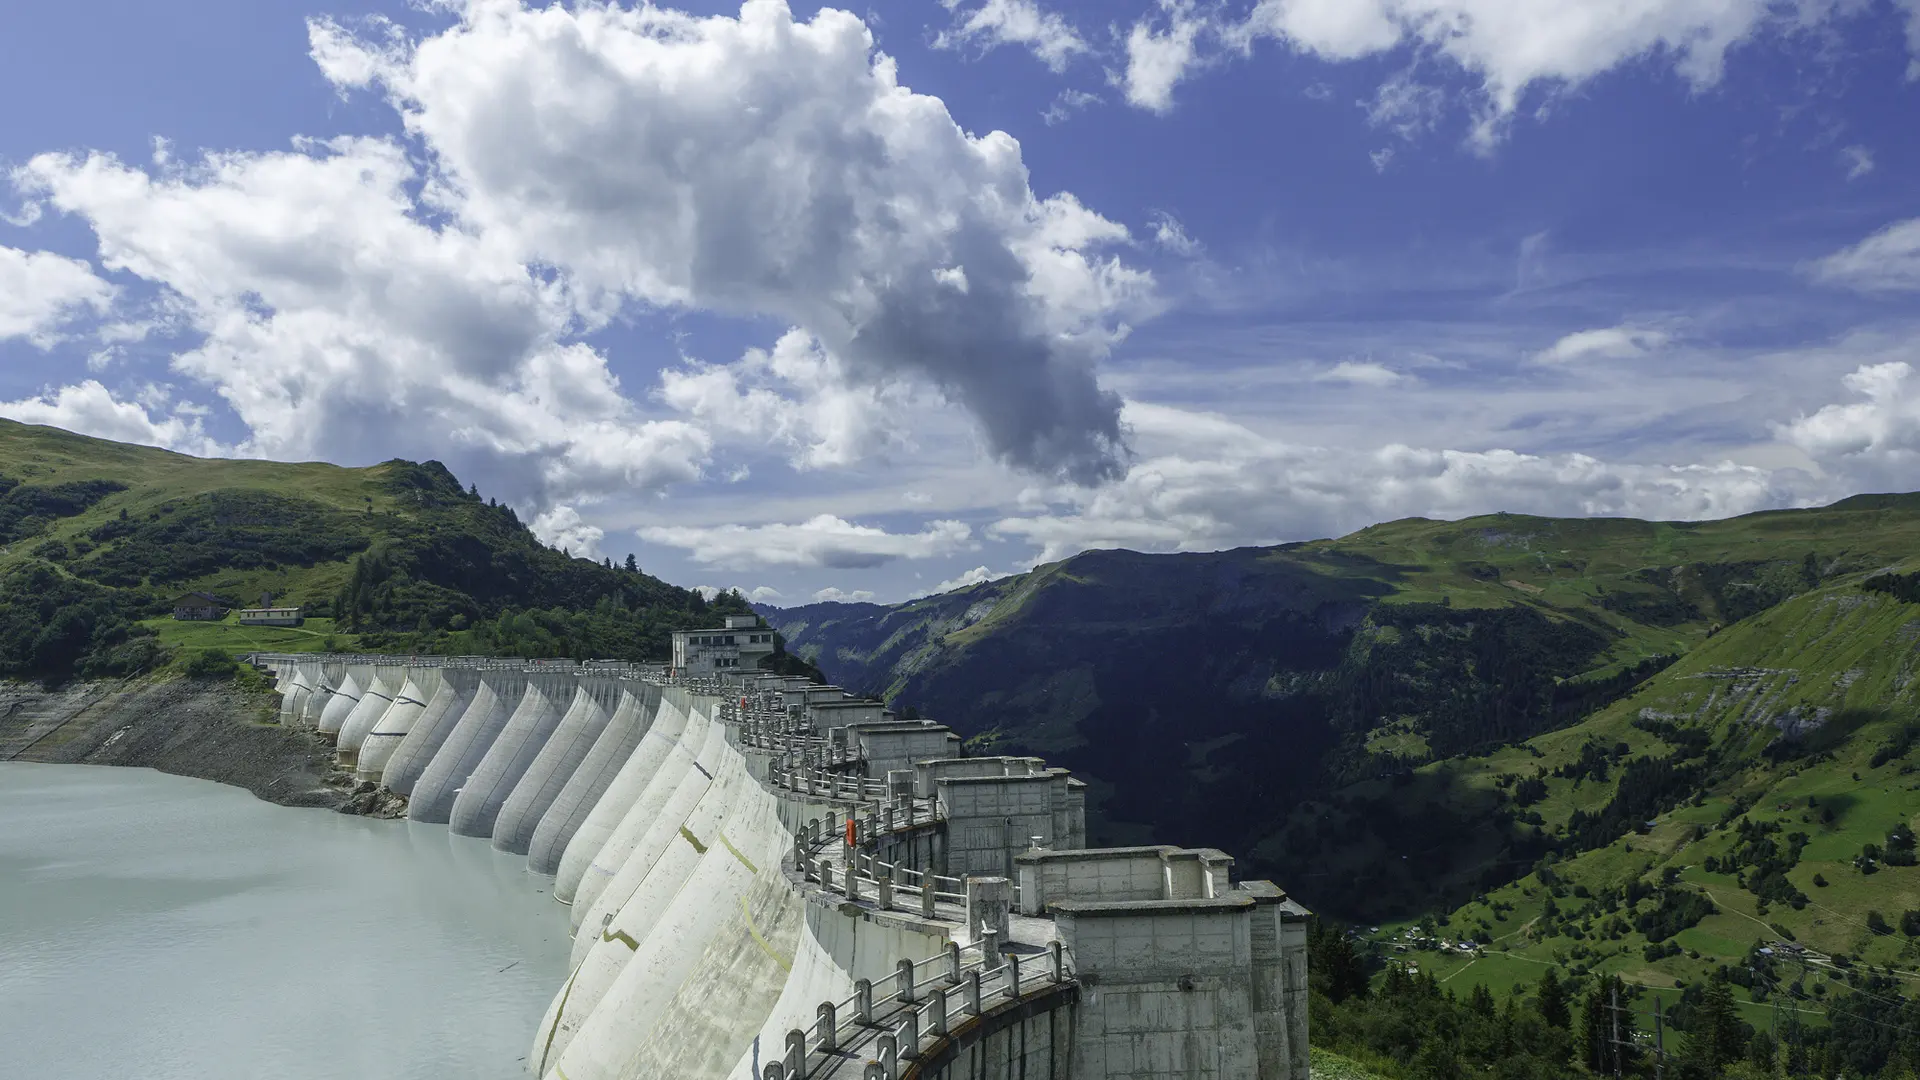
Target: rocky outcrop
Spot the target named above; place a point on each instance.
(214, 729)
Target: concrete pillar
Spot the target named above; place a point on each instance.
(990, 905)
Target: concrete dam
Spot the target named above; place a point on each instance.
(769, 879)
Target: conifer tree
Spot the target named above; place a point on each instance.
(1552, 1002)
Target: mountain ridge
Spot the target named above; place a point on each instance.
(1208, 692)
(96, 537)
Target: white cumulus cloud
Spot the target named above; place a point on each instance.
(795, 395)
(1361, 373)
(1170, 234)
(1012, 22)
(1607, 343)
(337, 324)
(1510, 47)
(821, 541)
(1874, 441)
(765, 167)
(562, 527)
(976, 576)
(1212, 483)
(1159, 56)
(835, 595)
(1887, 261)
(91, 409)
(40, 291)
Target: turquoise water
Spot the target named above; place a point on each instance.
(162, 928)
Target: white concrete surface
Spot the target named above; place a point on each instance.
(681, 768)
(423, 740)
(345, 699)
(440, 783)
(374, 703)
(639, 702)
(376, 749)
(586, 717)
(541, 707)
(627, 787)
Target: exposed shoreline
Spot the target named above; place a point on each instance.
(210, 729)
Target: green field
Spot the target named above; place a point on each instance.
(1327, 1065)
(98, 539)
(317, 635)
(1836, 658)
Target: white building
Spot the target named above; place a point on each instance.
(271, 616)
(743, 644)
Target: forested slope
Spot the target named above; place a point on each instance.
(98, 538)
(1233, 695)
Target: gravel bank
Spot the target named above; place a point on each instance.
(207, 728)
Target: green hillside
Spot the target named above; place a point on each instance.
(97, 539)
(1682, 755)
(1759, 794)
(1305, 701)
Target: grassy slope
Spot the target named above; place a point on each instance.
(1565, 568)
(44, 455)
(1646, 588)
(462, 552)
(1836, 652)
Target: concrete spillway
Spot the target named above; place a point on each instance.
(719, 915)
(345, 699)
(296, 688)
(591, 779)
(422, 685)
(388, 681)
(429, 732)
(331, 675)
(542, 706)
(486, 716)
(634, 778)
(676, 771)
(594, 702)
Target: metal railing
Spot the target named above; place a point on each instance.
(890, 1022)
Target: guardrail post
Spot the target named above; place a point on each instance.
(889, 1048)
(973, 993)
(927, 899)
(885, 893)
(853, 878)
(937, 1015)
(1059, 972)
(1013, 976)
(863, 1000)
(910, 1035)
(989, 948)
(826, 873)
(829, 1027)
(953, 963)
(773, 1071)
(796, 1055)
(874, 1071)
(903, 975)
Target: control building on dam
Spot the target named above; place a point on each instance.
(769, 879)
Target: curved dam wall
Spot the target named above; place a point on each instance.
(718, 913)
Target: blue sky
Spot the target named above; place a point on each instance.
(826, 303)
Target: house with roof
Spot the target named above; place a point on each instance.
(200, 607)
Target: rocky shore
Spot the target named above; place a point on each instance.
(214, 729)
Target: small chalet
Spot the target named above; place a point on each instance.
(199, 607)
(271, 616)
